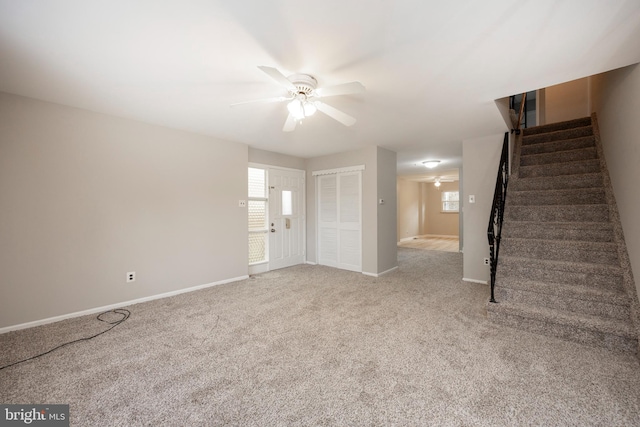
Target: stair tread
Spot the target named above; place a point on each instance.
(584, 245)
(557, 135)
(570, 162)
(581, 292)
(584, 321)
(546, 147)
(555, 153)
(570, 180)
(564, 265)
(562, 224)
(560, 190)
(568, 124)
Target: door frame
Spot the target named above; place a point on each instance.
(264, 266)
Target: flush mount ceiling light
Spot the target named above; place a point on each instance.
(431, 163)
(437, 183)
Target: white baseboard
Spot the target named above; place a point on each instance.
(118, 305)
(444, 236)
(380, 274)
(484, 282)
(311, 263)
(259, 268)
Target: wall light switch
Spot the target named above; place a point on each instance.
(472, 198)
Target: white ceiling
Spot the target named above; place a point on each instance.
(432, 69)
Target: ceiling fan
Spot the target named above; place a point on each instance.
(304, 97)
(438, 180)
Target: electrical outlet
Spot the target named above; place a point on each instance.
(131, 276)
(486, 261)
(242, 203)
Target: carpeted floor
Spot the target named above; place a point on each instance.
(312, 345)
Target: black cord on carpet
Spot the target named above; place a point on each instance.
(121, 311)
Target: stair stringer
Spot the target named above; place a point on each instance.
(628, 281)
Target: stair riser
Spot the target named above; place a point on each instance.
(553, 127)
(559, 302)
(587, 213)
(604, 281)
(570, 333)
(550, 233)
(566, 182)
(564, 145)
(542, 138)
(574, 168)
(558, 157)
(550, 197)
(559, 253)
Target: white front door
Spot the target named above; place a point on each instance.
(286, 218)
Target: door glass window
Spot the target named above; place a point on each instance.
(287, 203)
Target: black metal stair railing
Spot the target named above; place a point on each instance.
(497, 212)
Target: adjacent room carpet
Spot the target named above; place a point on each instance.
(448, 244)
(312, 345)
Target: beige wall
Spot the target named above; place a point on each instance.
(439, 223)
(409, 205)
(88, 197)
(387, 213)
(480, 160)
(275, 159)
(565, 101)
(616, 100)
(370, 187)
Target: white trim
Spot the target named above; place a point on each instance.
(484, 282)
(380, 274)
(259, 268)
(407, 239)
(338, 170)
(117, 305)
(265, 166)
(311, 263)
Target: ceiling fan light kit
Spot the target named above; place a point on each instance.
(303, 97)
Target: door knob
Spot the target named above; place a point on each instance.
(273, 230)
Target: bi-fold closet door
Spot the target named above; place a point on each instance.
(339, 202)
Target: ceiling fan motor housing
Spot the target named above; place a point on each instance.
(304, 83)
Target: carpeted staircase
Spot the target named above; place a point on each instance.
(559, 271)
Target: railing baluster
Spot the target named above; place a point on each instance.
(494, 230)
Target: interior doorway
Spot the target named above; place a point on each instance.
(429, 211)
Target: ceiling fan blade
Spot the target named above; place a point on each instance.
(342, 89)
(336, 114)
(264, 100)
(278, 77)
(290, 124)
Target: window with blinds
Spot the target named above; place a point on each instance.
(257, 213)
(450, 201)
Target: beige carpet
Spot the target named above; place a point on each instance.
(313, 345)
(447, 244)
